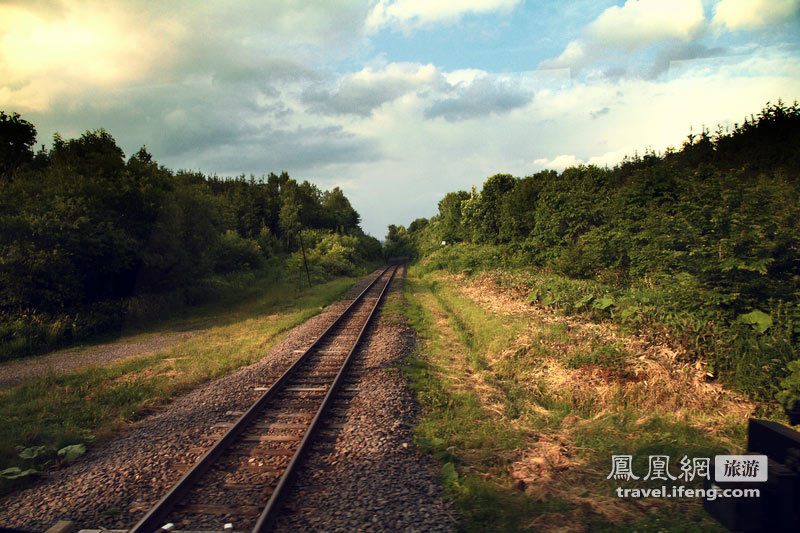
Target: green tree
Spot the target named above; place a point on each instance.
(17, 137)
(94, 155)
(341, 215)
(569, 206)
(81, 229)
(417, 225)
(518, 207)
(450, 216)
(483, 214)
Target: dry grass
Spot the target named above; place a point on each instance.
(656, 375)
(557, 383)
(652, 377)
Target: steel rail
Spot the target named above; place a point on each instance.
(154, 518)
(270, 512)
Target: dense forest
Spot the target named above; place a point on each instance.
(89, 239)
(703, 241)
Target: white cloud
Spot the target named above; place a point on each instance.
(559, 162)
(639, 23)
(175, 118)
(44, 53)
(76, 47)
(609, 159)
(413, 73)
(408, 15)
(636, 25)
(748, 14)
(573, 55)
(467, 75)
(457, 95)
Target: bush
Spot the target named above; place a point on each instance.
(235, 253)
(267, 242)
(330, 254)
(335, 254)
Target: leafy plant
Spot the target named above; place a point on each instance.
(759, 320)
(789, 396)
(449, 476)
(603, 303)
(16, 472)
(33, 452)
(72, 452)
(584, 301)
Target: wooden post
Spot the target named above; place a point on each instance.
(305, 263)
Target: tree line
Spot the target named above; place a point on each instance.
(82, 228)
(715, 224)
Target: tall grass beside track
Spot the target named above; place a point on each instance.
(58, 410)
(524, 407)
(733, 351)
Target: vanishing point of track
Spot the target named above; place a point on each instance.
(253, 461)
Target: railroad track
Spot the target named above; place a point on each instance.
(241, 479)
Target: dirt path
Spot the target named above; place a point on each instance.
(62, 362)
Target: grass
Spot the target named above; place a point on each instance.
(524, 409)
(677, 306)
(56, 411)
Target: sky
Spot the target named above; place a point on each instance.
(398, 102)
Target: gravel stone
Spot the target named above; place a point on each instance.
(372, 478)
(365, 475)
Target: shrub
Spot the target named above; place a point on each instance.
(235, 253)
(267, 242)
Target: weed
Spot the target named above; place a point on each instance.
(748, 352)
(524, 409)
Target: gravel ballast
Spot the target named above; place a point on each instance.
(366, 476)
(369, 476)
